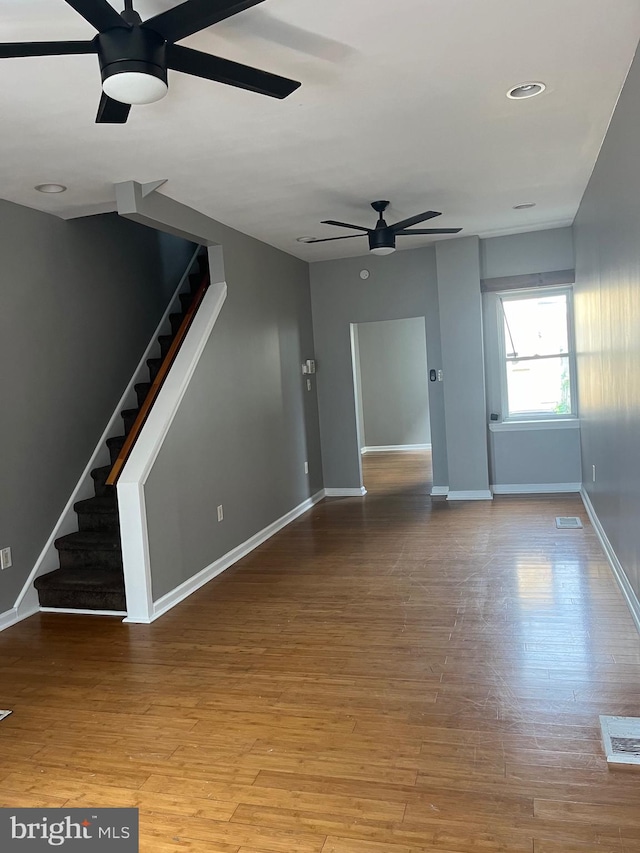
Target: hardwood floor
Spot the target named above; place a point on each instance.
(388, 675)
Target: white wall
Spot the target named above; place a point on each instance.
(394, 383)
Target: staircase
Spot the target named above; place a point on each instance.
(91, 575)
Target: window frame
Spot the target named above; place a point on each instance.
(536, 415)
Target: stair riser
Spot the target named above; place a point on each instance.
(165, 344)
(141, 393)
(99, 522)
(153, 370)
(128, 421)
(79, 559)
(82, 600)
(185, 301)
(114, 452)
(100, 486)
(101, 489)
(195, 280)
(176, 321)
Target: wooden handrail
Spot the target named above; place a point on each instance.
(156, 385)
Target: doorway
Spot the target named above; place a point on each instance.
(392, 405)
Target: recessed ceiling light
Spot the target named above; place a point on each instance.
(525, 206)
(305, 239)
(51, 188)
(525, 90)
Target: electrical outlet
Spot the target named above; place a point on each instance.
(593, 472)
(220, 513)
(5, 558)
(306, 467)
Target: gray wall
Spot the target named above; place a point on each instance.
(535, 457)
(607, 309)
(525, 457)
(246, 424)
(520, 254)
(175, 254)
(458, 263)
(401, 285)
(79, 301)
(394, 382)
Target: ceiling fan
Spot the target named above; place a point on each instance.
(134, 55)
(382, 238)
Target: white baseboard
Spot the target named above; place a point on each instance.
(80, 612)
(390, 448)
(616, 566)
(439, 491)
(534, 488)
(345, 493)
(471, 495)
(171, 599)
(474, 495)
(12, 617)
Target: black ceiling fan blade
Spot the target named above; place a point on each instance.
(99, 13)
(45, 48)
(232, 73)
(429, 231)
(112, 112)
(195, 15)
(345, 225)
(329, 239)
(413, 220)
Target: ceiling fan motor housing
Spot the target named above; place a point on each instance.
(382, 238)
(134, 49)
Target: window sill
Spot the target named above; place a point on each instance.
(514, 426)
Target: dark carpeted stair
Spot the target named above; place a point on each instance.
(96, 589)
(90, 576)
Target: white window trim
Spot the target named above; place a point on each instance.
(517, 425)
(549, 419)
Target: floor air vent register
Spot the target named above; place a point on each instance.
(568, 522)
(621, 739)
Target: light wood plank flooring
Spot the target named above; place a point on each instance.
(388, 675)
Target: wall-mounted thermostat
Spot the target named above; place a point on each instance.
(364, 274)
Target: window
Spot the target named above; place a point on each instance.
(537, 354)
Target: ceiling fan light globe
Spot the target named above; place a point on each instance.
(134, 87)
(383, 250)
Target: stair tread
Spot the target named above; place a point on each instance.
(97, 473)
(92, 579)
(87, 541)
(126, 413)
(115, 441)
(98, 504)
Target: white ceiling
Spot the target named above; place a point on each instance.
(403, 100)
